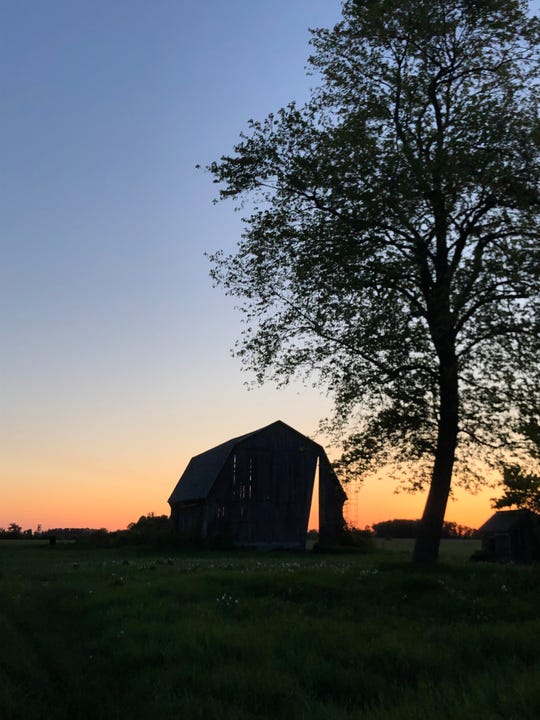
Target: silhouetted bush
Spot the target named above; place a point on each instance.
(356, 538)
(409, 529)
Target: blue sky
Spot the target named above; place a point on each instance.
(115, 366)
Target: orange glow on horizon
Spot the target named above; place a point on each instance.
(377, 500)
(113, 504)
(114, 489)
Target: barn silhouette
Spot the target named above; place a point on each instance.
(511, 536)
(256, 490)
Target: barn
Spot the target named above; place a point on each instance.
(511, 536)
(256, 490)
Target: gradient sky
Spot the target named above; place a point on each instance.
(115, 366)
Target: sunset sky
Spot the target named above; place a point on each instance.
(115, 363)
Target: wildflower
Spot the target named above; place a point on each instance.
(226, 601)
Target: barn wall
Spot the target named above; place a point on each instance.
(520, 544)
(263, 494)
(331, 500)
(189, 520)
(498, 546)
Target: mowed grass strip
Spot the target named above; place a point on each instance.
(113, 634)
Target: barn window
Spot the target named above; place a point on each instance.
(250, 479)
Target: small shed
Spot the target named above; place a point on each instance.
(256, 490)
(511, 536)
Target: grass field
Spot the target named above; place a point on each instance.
(90, 633)
(451, 550)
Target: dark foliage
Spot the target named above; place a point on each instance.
(390, 250)
(521, 485)
(410, 528)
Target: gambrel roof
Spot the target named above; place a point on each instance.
(202, 470)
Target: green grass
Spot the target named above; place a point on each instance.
(456, 549)
(116, 634)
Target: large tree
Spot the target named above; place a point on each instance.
(391, 233)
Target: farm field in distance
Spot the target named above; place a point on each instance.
(457, 549)
(124, 633)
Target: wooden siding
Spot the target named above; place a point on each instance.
(262, 494)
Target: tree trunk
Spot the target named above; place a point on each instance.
(426, 549)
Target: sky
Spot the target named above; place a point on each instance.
(115, 362)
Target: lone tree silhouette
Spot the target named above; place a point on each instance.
(390, 249)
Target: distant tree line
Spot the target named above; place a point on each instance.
(14, 531)
(409, 529)
(154, 529)
(149, 528)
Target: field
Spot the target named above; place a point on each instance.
(115, 633)
(451, 550)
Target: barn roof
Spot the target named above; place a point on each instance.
(506, 520)
(202, 470)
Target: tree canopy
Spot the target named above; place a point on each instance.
(390, 251)
(521, 483)
(521, 490)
